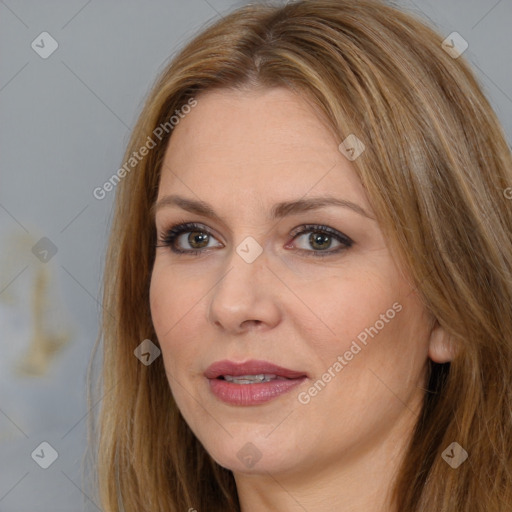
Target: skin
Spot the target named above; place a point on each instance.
(242, 152)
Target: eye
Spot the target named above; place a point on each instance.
(320, 239)
(198, 238)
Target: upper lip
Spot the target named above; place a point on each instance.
(252, 367)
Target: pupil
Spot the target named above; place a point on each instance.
(319, 239)
(197, 237)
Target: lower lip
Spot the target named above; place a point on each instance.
(251, 394)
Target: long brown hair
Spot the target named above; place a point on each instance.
(435, 169)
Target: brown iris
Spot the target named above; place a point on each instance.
(197, 237)
(320, 240)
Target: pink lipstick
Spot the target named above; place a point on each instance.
(251, 383)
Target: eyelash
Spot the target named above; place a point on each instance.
(169, 237)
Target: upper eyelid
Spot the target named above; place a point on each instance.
(300, 230)
(189, 226)
(184, 227)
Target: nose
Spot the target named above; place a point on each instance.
(246, 296)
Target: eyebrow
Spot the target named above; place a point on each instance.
(278, 211)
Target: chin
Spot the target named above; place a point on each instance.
(255, 454)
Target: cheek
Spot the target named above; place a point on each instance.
(160, 298)
(176, 305)
(345, 307)
(168, 306)
(375, 322)
(175, 302)
(171, 296)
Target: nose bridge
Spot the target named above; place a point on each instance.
(241, 294)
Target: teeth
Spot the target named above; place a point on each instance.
(250, 379)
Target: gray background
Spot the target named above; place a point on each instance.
(64, 124)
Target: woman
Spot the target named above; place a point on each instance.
(311, 260)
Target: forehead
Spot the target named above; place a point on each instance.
(262, 141)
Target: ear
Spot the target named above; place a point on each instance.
(441, 348)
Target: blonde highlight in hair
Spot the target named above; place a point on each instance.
(435, 168)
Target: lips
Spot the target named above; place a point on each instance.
(253, 367)
(251, 383)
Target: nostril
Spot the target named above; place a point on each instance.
(251, 322)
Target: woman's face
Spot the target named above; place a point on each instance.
(269, 283)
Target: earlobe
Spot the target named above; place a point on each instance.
(441, 348)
